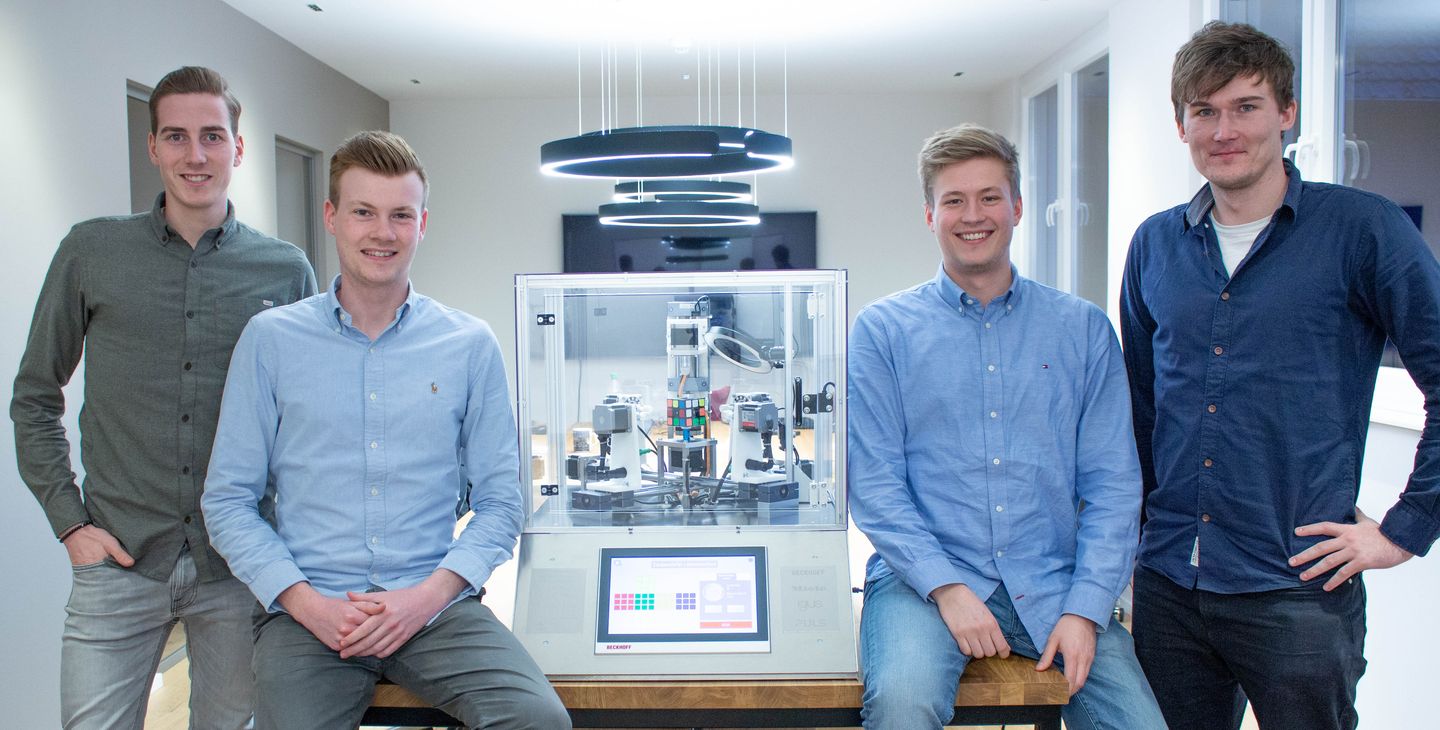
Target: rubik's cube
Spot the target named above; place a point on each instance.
(685, 415)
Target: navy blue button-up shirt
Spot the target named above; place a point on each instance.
(1252, 392)
(976, 430)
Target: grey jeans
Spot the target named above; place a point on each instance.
(115, 629)
(465, 662)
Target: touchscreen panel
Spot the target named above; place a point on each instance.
(682, 600)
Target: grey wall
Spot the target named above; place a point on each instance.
(64, 65)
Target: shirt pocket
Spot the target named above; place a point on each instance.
(230, 316)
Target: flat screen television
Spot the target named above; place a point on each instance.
(780, 241)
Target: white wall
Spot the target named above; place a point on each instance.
(1150, 169)
(63, 68)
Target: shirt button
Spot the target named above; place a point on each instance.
(969, 301)
(1219, 350)
(372, 396)
(189, 314)
(194, 264)
(374, 540)
(999, 508)
(374, 491)
(374, 444)
(187, 519)
(993, 414)
(1208, 463)
(1211, 408)
(1225, 296)
(1009, 307)
(371, 349)
(1205, 518)
(991, 368)
(185, 418)
(187, 366)
(987, 325)
(999, 553)
(184, 470)
(995, 461)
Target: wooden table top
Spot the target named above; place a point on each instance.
(990, 682)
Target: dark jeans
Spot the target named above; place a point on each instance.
(1296, 654)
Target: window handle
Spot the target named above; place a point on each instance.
(1351, 170)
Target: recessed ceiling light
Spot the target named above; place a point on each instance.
(315, 7)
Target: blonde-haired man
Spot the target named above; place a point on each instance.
(984, 410)
(353, 424)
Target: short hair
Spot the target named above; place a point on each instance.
(194, 80)
(967, 142)
(380, 152)
(1221, 52)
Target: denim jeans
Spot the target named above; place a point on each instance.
(911, 666)
(465, 662)
(115, 629)
(1295, 654)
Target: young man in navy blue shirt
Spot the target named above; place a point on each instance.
(1253, 319)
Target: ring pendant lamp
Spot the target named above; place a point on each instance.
(667, 151)
(660, 161)
(695, 191)
(676, 214)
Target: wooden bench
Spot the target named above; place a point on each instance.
(992, 692)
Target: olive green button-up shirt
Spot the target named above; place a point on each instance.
(156, 321)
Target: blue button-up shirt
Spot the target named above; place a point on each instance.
(1252, 392)
(976, 431)
(341, 461)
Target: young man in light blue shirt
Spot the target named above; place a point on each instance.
(353, 424)
(992, 466)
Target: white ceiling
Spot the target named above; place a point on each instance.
(542, 48)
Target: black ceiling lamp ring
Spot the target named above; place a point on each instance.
(679, 213)
(669, 151)
(693, 191)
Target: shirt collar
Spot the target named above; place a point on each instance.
(164, 234)
(958, 299)
(1204, 200)
(338, 313)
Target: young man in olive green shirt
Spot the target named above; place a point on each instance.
(154, 302)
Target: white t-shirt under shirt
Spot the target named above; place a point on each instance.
(1235, 241)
